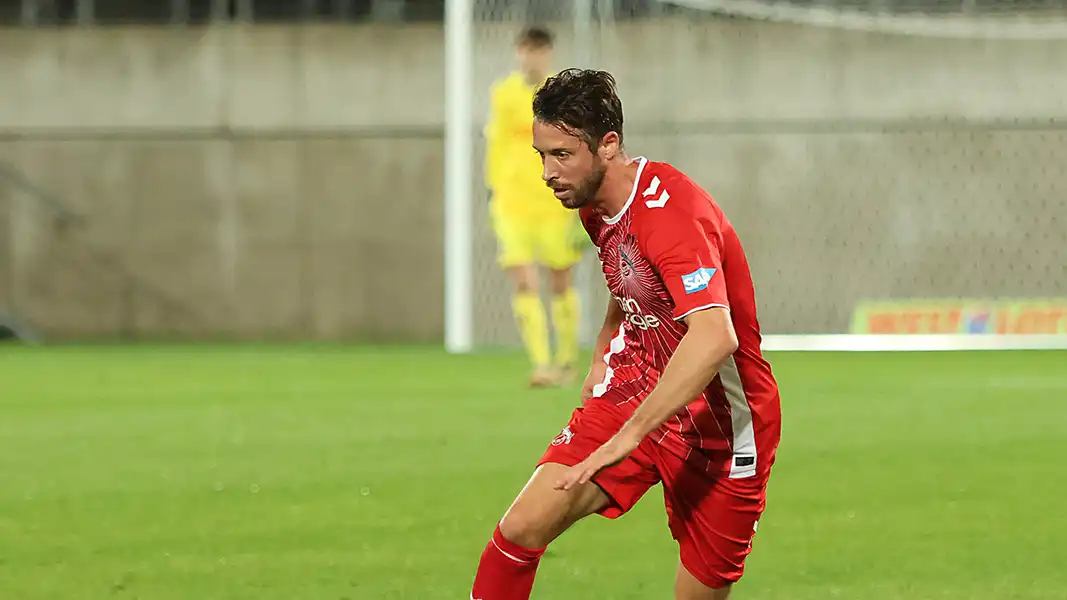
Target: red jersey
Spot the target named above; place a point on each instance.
(669, 253)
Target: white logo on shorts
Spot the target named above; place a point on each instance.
(564, 437)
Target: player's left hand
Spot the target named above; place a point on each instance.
(614, 450)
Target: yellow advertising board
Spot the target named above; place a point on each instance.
(961, 316)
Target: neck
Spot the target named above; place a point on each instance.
(533, 78)
(616, 188)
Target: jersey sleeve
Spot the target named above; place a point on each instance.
(685, 246)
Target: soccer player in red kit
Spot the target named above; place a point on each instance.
(679, 392)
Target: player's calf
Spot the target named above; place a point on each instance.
(539, 515)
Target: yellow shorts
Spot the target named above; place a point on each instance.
(554, 243)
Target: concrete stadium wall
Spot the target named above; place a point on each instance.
(287, 181)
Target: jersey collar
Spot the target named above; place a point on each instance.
(642, 161)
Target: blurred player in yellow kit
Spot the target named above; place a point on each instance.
(531, 226)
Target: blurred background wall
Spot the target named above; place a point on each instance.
(265, 179)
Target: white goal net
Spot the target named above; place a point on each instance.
(891, 167)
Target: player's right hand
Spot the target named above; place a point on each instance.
(597, 372)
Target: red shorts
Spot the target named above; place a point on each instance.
(712, 517)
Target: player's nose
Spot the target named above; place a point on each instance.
(548, 173)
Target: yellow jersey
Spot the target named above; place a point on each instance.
(512, 166)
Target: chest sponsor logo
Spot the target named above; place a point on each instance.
(635, 316)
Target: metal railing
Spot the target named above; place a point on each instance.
(65, 224)
(194, 12)
(181, 12)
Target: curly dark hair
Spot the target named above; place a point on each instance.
(582, 102)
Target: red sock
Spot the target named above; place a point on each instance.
(506, 571)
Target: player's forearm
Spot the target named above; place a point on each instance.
(612, 320)
(699, 356)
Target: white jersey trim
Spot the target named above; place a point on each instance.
(700, 308)
(511, 556)
(617, 345)
(633, 193)
(743, 462)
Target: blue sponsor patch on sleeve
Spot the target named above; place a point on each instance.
(697, 280)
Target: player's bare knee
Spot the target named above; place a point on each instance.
(524, 278)
(523, 286)
(688, 587)
(528, 526)
(703, 593)
(541, 513)
(534, 524)
(561, 281)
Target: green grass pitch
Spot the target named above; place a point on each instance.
(330, 473)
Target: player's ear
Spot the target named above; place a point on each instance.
(609, 146)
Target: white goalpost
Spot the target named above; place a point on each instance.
(459, 160)
(894, 167)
